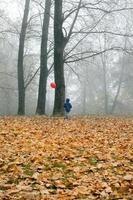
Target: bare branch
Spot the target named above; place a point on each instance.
(74, 72)
(103, 32)
(94, 26)
(109, 11)
(94, 54)
(75, 18)
(39, 3)
(27, 84)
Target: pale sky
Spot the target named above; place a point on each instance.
(11, 9)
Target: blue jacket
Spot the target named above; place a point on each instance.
(67, 105)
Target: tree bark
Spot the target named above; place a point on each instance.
(21, 88)
(59, 45)
(43, 61)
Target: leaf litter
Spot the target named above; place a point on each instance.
(45, 158)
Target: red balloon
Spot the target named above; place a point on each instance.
(53, 85)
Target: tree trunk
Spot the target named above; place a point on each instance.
(105, 89)
(21, 88)
(120, 81)
(59, 45)
(84, 95)
(118, 89)
(104, 65)
(43, 61)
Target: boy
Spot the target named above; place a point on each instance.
(67, 107)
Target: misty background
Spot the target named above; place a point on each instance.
(98, 57)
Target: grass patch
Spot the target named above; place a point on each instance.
(27, 169)
(59, 165)
(93, 160)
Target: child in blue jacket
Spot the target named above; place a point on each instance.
(67, 107)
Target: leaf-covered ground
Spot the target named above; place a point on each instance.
(55, 159)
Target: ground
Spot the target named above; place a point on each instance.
(58, 159)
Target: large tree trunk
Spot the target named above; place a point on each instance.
(58, 60)
(21, 88)
(43, 61)
(60, 43)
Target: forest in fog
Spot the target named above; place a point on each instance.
(84, 46)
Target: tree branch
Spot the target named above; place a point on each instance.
(103, 32)
(94, 54)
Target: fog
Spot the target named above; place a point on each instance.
(98, 58)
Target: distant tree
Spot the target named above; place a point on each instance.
(104, 69)
(21, 88)
(122, 75)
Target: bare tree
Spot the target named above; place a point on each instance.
(121, 75)
(60, 42)
(104, 66)
(43, 61)
(21, 88)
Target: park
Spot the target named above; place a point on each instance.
(66, 100)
